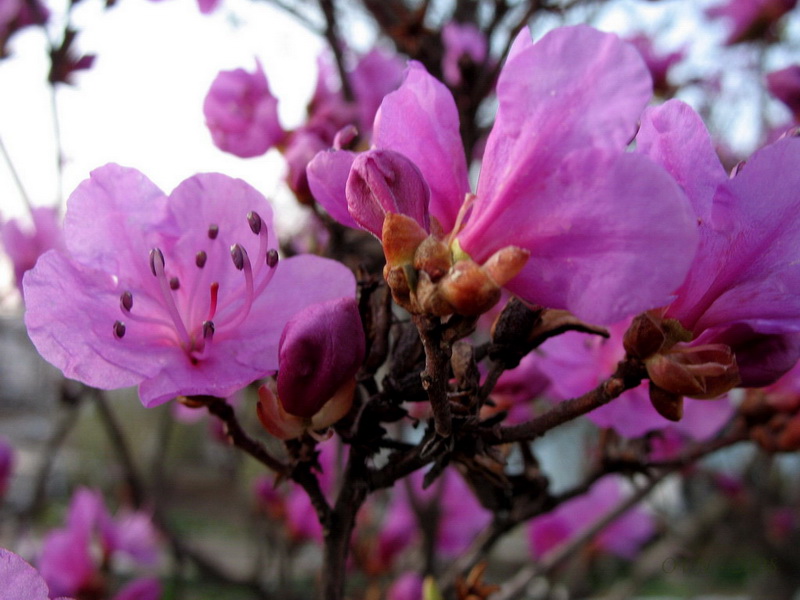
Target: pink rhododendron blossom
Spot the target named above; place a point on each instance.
(20, 580)
(743, 288)
(556, 181)
(785, 86)
(576, 363)
(623, 537)
(16, 14)
(242, 114)
(462, 42)
(24, 245)
(180, 294)
(68, 563)
(750, 19)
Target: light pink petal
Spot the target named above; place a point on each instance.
(420, 120)
(576, 88)
(112, 221)
(610, 235)
(674, 136)
(327, 179)
(65, 563)
(19, 579)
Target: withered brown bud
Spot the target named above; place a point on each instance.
(644, 337)
(514, 324)
(668, 404)
(703, 372)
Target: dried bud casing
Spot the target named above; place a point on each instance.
(644, 337)
(402, 236)
(321, 349)
(383, 182)
(668, 404)
(703, 372)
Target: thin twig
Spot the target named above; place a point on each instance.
(332, 35)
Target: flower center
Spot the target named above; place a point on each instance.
(179, 319)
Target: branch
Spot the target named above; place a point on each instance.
(331, 34)
(437, 369)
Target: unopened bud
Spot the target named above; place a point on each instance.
(321, 349)
(505, 264)
(644, 337)
(433, 257)
(383, 182)
(469, 289)
(668, 404)
(401, 237)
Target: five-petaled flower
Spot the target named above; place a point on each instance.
(181, 294)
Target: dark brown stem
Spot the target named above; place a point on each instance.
(435, 375)
(627, 376)
(237, 436)
(332, 36)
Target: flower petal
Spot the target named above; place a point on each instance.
(20, 580)
(327, 178)
(420, 120)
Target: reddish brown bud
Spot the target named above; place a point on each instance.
(433, 257)
(705, 371)
(644, 337)
(505, 264)
(469, 289)
(402, 236)
(668, 404)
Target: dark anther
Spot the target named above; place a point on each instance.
(254, 220)
(126, 301)
(213, 232)
(119, 329)
(156, 255)
(174, 283)
(200, 259)
(237, 254)
(208, 329)
(272, 258)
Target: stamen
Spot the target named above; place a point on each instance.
(242, 262)
(254, 220)
(126, 301)
(119, 329)
(157, 266)
(238, 254)
(213, 231)
(208, 330)
(212, 309)
(272, 258)
(174, 283)
(200, 259)
(461, 217)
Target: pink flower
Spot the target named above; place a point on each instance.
(658, 63)
(743, 288)
(785, 86)
(16, 14)
(25, 245)
(750, 19)
(182, 295)
(464, 44)
(576, 363)
(242, 114)
(408, 586)
(622, 537)
(556, 184)
(67, 563)
(20, 580)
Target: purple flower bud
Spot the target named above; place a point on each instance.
(384, 181)
(321, 350)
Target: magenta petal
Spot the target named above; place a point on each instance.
(140, 589)
(610, 235)
(20, 580)
(327, 177)
(576, 88)
(420, 121)
(674, 136)
(747, 268)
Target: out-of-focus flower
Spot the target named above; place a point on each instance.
(320, 351)
(743, 288)
(242, 114)
(20, 580)
(558, 217)
(576, 363)
(465, 47)
(16, 14)
(657, 62)
(6, 465)
(623, 537)
(784, 84)
(750, 19)
(408, 586)
(67, 562)
(24, 245)
(170, 293)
